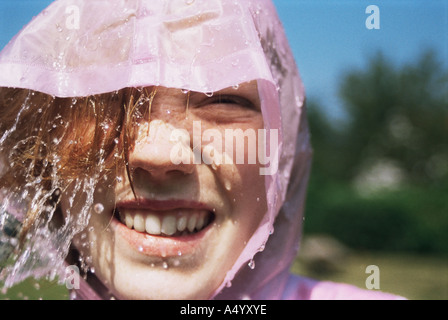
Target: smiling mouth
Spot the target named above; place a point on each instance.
(167, 223)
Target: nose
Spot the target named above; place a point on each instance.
(151, 159)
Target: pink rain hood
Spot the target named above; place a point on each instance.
(77, 48)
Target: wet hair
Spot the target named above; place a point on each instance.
(49, 143)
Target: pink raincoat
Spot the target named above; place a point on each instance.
(78, 47)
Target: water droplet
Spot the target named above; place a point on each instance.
(209, 94)
(99, 208)
(251, 264)
(13, 241)
(227, 185)
(119, 179)
(164, 265)
(116, 140)
(236, 86)
(258, 199)
(262, 247)
(140, 249)
(185, 91)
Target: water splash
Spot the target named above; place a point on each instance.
(41, 252)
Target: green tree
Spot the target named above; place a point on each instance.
(396, 129)
(399, 114)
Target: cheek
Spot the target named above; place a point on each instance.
(251, 192)
(242, 179)
(246, 196)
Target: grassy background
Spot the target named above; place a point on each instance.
(32, 289)
(415, 277)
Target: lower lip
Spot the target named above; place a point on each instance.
(159, 246)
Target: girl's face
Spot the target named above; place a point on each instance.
(190, 218)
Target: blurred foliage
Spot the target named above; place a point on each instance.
(380, 177)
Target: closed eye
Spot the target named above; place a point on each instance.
(230, 100)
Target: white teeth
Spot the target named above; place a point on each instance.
(169, 225)
(152, 224)
(166, 224)
(182, 223)
(200, 222)
(129, 221)
(139, 223)
(192, 223)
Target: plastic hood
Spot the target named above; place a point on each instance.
(79, 48)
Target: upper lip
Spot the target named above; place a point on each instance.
(161, 205)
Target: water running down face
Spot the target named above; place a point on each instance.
(188, 222)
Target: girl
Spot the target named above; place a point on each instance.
(161, 146)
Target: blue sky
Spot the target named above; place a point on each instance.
(327, 36)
